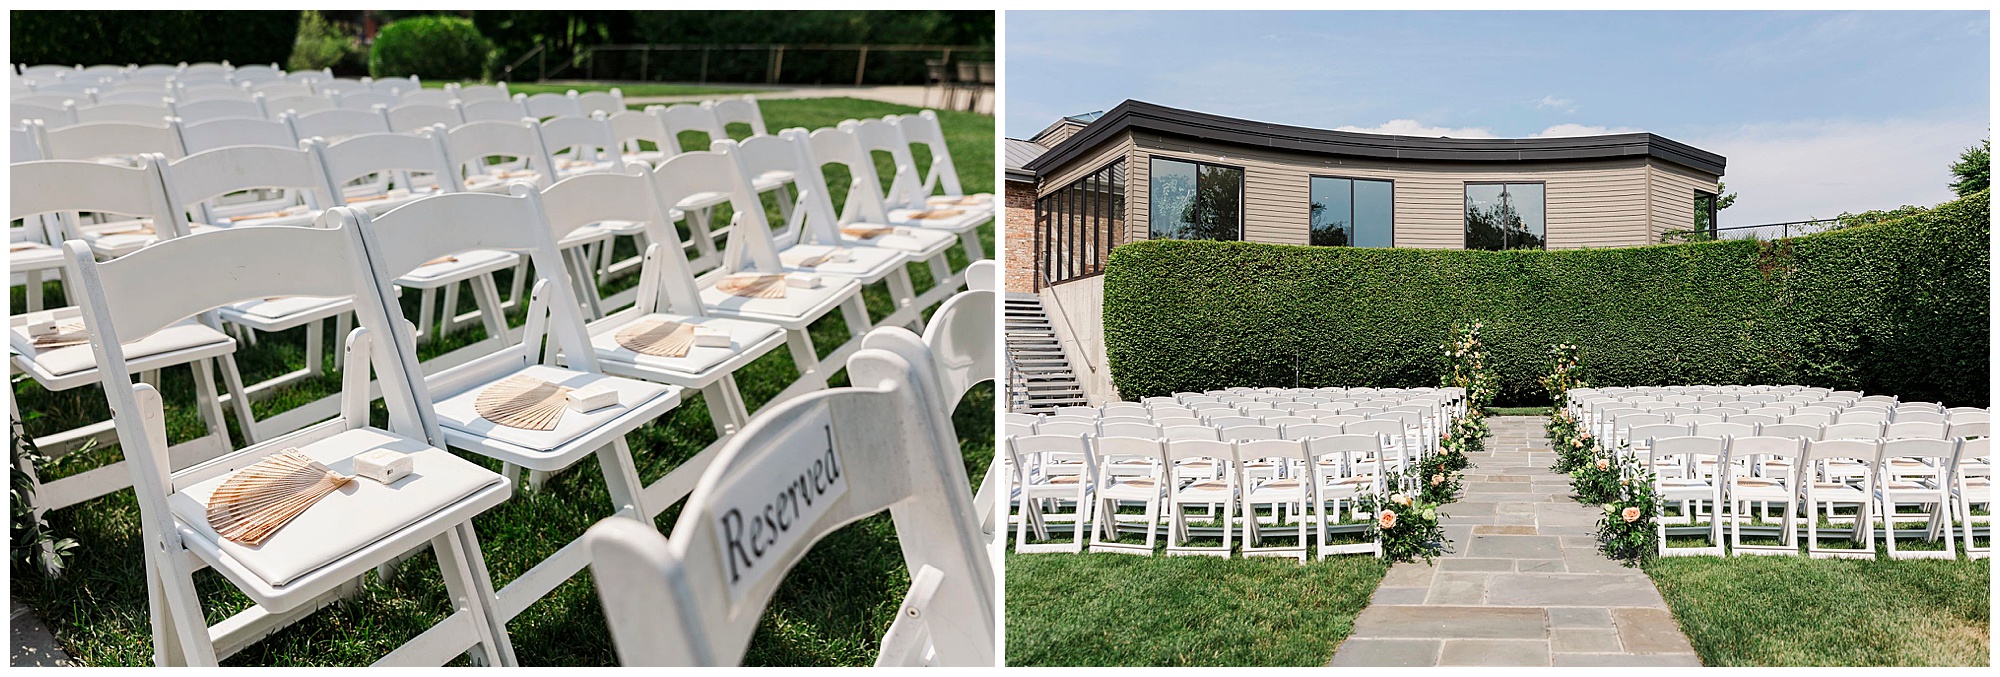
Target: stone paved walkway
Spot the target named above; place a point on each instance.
(1525, 584)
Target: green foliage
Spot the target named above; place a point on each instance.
(1571, 441)
(1596, 480)
(1974, 169)
(92, 37)
(431, 48)
(1565, 373)
(1898, 307)
(324, 43)
(1466, 366)
(1626, 531)
(33, 546)
(1407, 523)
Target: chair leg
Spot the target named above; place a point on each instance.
(315, 347)
(725, 405)
(426, 327)
(342, 325)
(208, 403)
(805, 356)
(518, 285)
(490, 308)
(233, 380)
(448, 314)
(974, 251)
(855, 311)
(471, 590)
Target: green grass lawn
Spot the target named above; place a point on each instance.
(1794, 611)
(1512, 411)
(1125, 610)
(832, 609)
(629, 89)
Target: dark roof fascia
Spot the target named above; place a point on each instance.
(1132, 115)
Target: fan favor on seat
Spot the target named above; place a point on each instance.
(753, 285)
(523, 402)
(935, 214)
(257, 500)
(656, 337)
(71, 334)
(962, 201)
(442, 259)
(809, 261)
(867, 232)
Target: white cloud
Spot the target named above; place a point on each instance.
(1405, 127)
(1573, 129)
(1820, 168)
(1557, 103)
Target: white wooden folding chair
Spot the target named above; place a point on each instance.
(751, 251)
(1687, 488)
(863, 214)
(1972, 484)
(487, 157)
(1132, 469)
(608, 103)
(320, 555)
(666, 293)
(411, 115)
(810, 234)
(494, 110)
(1345, 467)
(906, 207)
(688, 117)
(1214, 491)
(741, 110)
(699, 206)
(631, 127)
(940, 186)
(1281, 491)
(1896, 485)
(553, 105)
(695, 598)
(1819, 490)
(1039, 491)
(580, 145)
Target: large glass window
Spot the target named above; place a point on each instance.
(1704, 213)
(1353, 212)
(1195, 201)
(1078, 224)
(1504, 216)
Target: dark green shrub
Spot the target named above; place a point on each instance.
(431, 48)
(148, 37)
(324, 43)
(1898, 307)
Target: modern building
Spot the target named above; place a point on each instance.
(1139, 171)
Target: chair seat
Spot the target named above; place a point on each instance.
(955, 223)
(345, 521)
(1284, 489)
(867, 264)
(742, 336)
(36, 256)
(286, 311)
(1065, 479)
(469, 264)
(498, 182)
(771, 180)
(1203, 490)
(585, 235)
(188, 335)
(702, 200)
(622, 228)
(457, 414)
(798, 305)
(1835, 491)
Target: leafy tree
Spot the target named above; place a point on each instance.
(1974, 169)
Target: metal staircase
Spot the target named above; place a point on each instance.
(1039, 376)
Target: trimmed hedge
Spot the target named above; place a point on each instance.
(1897, 308)
(431, 48)
(91, 37)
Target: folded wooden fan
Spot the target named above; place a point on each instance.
(935, 214)
(656, 337)
(22, 246)
(809, 261)
(753, 285)
(71, 334)
(523, 402)
(961, 201)
(438, 260)
(867, 232)
(254, 502)
(140, 229)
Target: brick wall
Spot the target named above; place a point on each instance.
(1019, 232)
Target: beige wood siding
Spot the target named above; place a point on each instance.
(1595, 203)
(1673, 188)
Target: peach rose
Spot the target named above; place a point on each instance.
(1437, 479)
(1388, 519)
(1603, 464)
(1631, 515)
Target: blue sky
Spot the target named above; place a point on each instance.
(1818, 112)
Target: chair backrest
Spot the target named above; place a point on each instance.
(579, 139)
(697, 597)
(923, 128)
(1963, 429)
(220, 109)
(396, 84)
(143, 113)
(316, 78)
(1766, 447)
(61, 114)
(687, 117)
(414, 233)
(298, 104)
(1112, 448)
(721, 170)
(280, 89)
(1697, 419)
(477, 93)
(739, 110)
(1250, 432)
(194, 180)
(210, 91)
(1306, 431)
(1725, 429)
(1263, 412)
(1862, 416)
(1144, 430)
(432, 97)
(150, 95)
(1183, 449)
(1268, 447)
(551, 104)
(1790, 430)
(1692, 447)
(1640, 433)
(1934, 448)
(412, 116)
(1167, 421)
(610, 103)
(1231, 421)
(631, 126)
(1071, 428)
(365, 100)
(1861, 450)
(364, 154)
(47, 71)
(1752, 419)
(500, 110)
(468, 146)
(64, 187)
(666, 282)
(905, 189)
(1190, 432)
(1338, 419)
(1349, 447)
(204, 136)
(1851, 431)
(94, 140)
(1906, 429)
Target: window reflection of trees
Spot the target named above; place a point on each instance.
(1193, 201)
(1500, 225)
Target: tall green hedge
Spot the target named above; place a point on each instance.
(432, 48)
(91, 37)
(1897, 308)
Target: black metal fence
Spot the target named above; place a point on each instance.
(773, 64)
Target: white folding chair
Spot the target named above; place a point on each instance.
(1131, 468)
(696, 598)
(580, 145)
(666, 294)
(741, 110)
(321, 554)
(494, 110)
(632, 127)
(411, 115)
(1280, 492)
(687, 117)
(1039, 491)
(940, 186)
(1345, 467)
(1821, 491)
(1208, 491)
(1972, 483)
(904, 207)
(1689, 489)
(809, 236)
(1896, 485)
(609, 103)
(553, 105)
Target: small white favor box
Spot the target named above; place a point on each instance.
(802, 280)
(840, 255)
(383, 465)
(711, 337)
(592, 397)
(41, 328)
